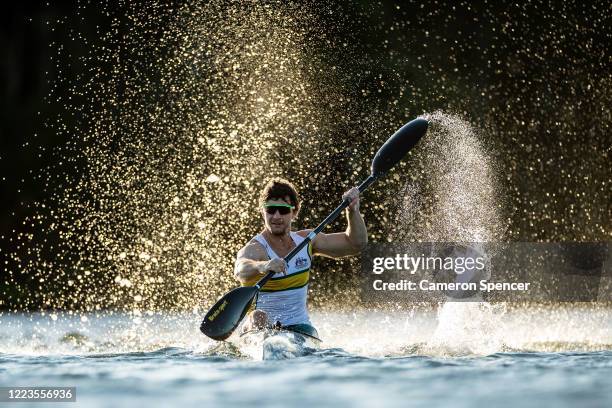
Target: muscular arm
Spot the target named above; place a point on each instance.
(252, 263)
(340, 244)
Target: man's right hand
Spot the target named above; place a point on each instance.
(278, 265)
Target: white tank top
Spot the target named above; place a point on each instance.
(284, 297)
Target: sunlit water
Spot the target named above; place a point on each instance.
(552, 357)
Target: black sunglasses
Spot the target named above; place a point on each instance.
(283, 209)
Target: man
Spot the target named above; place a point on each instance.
(283, 299)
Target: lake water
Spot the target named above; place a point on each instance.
(460, 355)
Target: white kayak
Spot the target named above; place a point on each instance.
(280, 343)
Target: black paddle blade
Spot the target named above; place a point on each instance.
(223, 318)
(397, 146)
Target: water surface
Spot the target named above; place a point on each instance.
(160, 360)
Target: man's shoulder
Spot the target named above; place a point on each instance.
(252, 245)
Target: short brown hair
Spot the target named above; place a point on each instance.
(279, 189)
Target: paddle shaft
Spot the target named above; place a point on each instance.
(334, 214)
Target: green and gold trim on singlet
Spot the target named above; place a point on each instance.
(290, 282)
(310, 251)
(294, 281)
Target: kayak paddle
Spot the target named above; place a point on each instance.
(223, 318)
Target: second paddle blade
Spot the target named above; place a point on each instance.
(223, 318)
(398, 145)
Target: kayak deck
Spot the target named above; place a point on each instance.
(279, 343)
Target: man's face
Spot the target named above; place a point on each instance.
(277, 223)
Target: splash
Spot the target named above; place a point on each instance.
(456, 195)
(361, 333)
(202, 104)
(456, 198)
(468, 328)
(186, 110)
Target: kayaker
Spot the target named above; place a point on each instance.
(282, 301)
